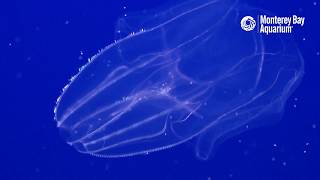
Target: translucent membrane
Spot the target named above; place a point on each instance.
(190, 72)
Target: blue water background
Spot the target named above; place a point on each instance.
(43, 43)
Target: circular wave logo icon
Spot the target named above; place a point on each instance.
(248, 23)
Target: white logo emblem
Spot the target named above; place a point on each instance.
(248, 23)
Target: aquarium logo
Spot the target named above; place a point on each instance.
(272, 24)
(248, 23)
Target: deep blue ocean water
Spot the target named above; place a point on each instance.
(43, 43)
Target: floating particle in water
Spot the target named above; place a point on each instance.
(275, 145)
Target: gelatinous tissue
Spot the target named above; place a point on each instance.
(191, 72)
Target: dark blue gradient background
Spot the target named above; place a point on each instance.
(43, 43)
